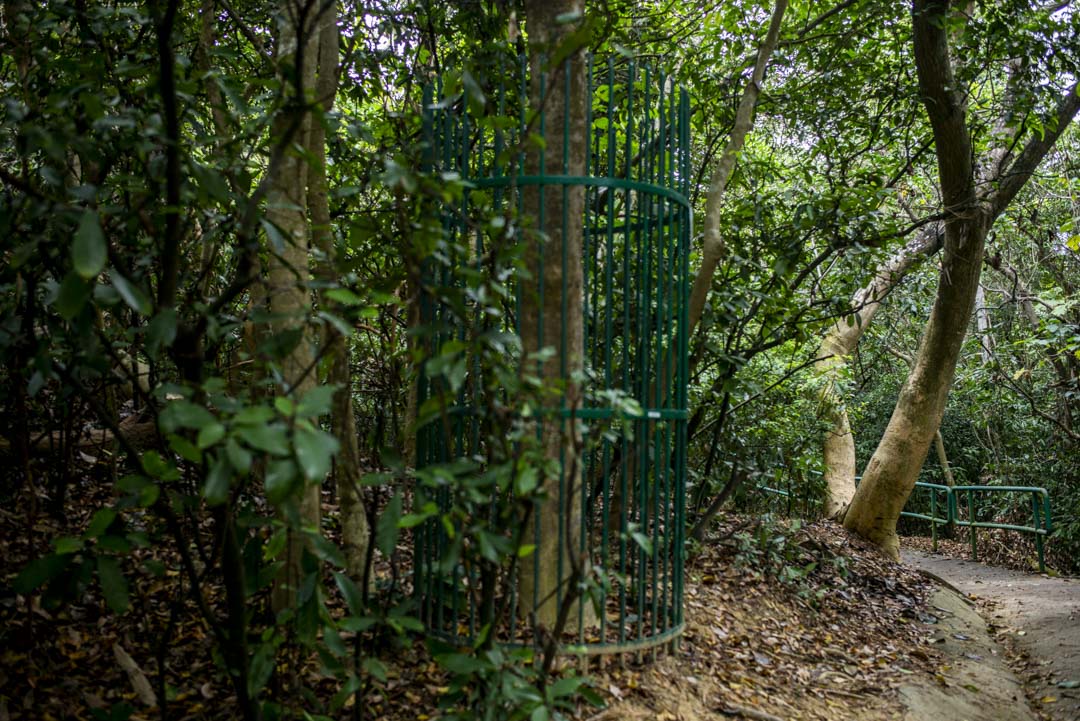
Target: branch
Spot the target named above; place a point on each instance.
(713, 243)
(1014, 178)
(170, 251)
(945, 105)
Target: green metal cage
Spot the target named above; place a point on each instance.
(636, 230)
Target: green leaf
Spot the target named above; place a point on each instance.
(527, 481)
(239, 457)
(184, 414)
(317, 401)
(315, 451)
(113, 584)
(281, 480)
(354, 600)
(343, 296)
(277, 238)
(374, 667)
(100, 523)
(254, 416)
(39, 572)
(88, 252)
(325, 550)
(268, 439)
(73, 294)
(262, 666)
(66, 544)
(218, 480)
(387, 529)
(459, 663)
(161, 331)
(565, 687)
(185, 448)
(209, 435)
(133, 295)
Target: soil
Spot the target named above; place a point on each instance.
(782, 622)
(1033, 616)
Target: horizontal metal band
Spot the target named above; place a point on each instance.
(596, 182)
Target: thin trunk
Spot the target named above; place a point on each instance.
(943, 459)
(713, 241)
(355, 533)
(289, 275)
(982, 323)
(552, 312)
(838, 447)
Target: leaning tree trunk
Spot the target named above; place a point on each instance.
(839, 343)
(288, 272)
(552, 299)
(712, 250)
(893, 469)
(355, 533)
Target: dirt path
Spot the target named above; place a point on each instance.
(1040, 615)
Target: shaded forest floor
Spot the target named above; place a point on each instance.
(785, 621)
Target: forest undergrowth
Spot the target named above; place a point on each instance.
(782, 618)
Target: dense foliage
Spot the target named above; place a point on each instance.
(146, 347)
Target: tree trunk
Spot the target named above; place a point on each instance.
(982, 323)
(552, 299)
(891, 473)
(355, 533)
(943, 459)
(839, 343)
(289, 274)
(713, 241)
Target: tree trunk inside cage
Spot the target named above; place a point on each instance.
(599, 209)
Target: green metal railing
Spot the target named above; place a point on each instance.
(932, 517)
(1040, 512)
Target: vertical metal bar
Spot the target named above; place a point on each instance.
(609, 279)
(971, 526)
(1039, 526)
(933, 518)
(627, 336)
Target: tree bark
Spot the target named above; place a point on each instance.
(355, 533)
(713, 241)
(891, 473)
(552, 303)
(838, 447)
(288, 272)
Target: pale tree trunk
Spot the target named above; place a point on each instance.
(551, 306)
(943, 459)
(939, 441)
(982, 323)
(355, 533)
(891, 473)
(288, 272)
(712, 249)
(836, 348)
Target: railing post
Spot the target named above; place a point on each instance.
(1038, 527)
(933, 519)
(971, 525)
